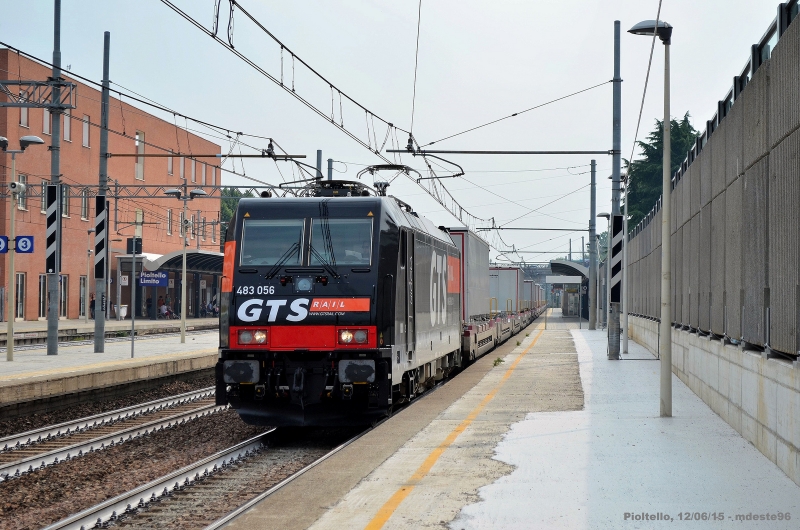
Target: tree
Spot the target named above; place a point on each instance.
(230, 198)
(645, 174)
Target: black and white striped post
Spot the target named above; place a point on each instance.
(615, 300)
(100, 256)
(53, 263)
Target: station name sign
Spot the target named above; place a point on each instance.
(154, 279)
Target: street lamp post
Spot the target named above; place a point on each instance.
(182, 195)
(16, 189)
(663, 30)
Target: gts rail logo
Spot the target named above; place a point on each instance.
(299, 309)
(250, 310)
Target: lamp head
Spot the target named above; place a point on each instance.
(605, 215)
(648, 27)
(25, 141)
(3, 143)
(173, 192)
(197, 193)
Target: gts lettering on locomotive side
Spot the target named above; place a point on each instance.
(250, 310)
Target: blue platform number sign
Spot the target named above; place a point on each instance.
(25, 244)
(3, 244)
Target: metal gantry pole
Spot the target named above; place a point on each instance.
(613, 338)
(101, 253)
(133, 297)
(330, 169)
(12, 284)
(665, 326)
(53, 279)
(593, 251)
(625, 269)
(183, 272)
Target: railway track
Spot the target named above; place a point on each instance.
(25, 452)
(199, 496)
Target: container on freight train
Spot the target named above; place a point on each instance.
(506, 288)
(530, 294)
(474, 273)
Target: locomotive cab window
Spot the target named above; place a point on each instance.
(341, 241)
(269, 241)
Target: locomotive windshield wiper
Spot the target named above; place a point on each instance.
(328, 267)
(284, 258)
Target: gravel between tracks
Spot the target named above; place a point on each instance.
(49, 495)
(36, 421)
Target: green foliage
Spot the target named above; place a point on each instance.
(230, 199)
(646, 172)
(498, 361)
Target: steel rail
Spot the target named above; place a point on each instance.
(112, 509)
(20, 467)
(17, 441)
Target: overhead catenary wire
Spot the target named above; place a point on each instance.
(416, 63)
(518, 113)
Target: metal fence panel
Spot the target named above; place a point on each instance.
(783, 224)
(718, 265)
(694, 271)
(754, 126)
(704, 161)
(784, 90)
(673, 266)
(717, 165)
(704, 270)
(754, 251)
(701, 169)
(734, 162)
(733, 259)
(684, 266)
(685, 206)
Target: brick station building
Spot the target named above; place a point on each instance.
(131, 130)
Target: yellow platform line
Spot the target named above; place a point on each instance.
(122, 363)
(388, 509)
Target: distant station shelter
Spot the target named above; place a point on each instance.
(569, 300)
(158, 278)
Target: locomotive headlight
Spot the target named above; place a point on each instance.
(247, 337)
(360, 336)
(345, 336)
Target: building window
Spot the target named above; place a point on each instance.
(67, 125)
(83, 296)
(214, 176)
(169, 166)
(85, 204)
(203, 228)
(65, 200)
(169, 222)
(46, 122)
(19, 311)
(42, 295)
(44, 197)
(22, 198)
(85, 130)
(182, 168)
(139, 159)
(194, 178)
(192, 229)
(203, 174)
(23, 111)
(63, 301)
(214, 231)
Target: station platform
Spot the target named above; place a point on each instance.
(557, 436)
(34, 378)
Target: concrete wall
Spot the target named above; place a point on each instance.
(756, 395)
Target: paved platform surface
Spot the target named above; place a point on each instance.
(557, 436)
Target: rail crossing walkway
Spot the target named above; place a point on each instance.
(556, 436)
(36, 381)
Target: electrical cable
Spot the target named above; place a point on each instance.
(416, 62)
(518, 113)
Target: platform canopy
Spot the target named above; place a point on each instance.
(568, 268)
(199, 261)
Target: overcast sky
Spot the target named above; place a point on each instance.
(478, 61)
